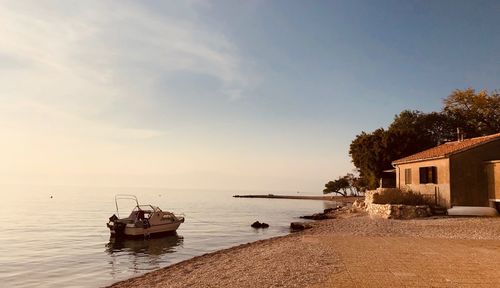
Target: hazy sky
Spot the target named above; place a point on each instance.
(228, 94)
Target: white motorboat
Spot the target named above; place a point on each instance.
(143, 221)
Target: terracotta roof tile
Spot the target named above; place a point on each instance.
(447, 149)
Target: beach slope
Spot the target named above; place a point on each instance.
(350, 251)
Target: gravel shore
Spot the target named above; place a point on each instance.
(312, 257)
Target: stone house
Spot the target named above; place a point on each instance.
(458, 173)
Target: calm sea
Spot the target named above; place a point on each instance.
(63, 241)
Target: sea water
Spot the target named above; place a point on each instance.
(57, 236)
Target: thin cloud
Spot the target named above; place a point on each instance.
(87, 58)
(78, 80)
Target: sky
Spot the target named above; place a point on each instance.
(247, 95)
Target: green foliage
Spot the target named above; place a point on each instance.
(476, 113)
(343, 185)
(369, 155)
(360, 184)
(420, 129)
(410, 132)
(397, 196)
(338, 186)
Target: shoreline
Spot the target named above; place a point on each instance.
(344, 201)
(142, 280)
(348, 199)
(341, 249)
(197, 258)
(272, 196)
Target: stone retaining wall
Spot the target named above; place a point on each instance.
(369, 196)
(393, 211)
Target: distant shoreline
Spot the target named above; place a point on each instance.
(342, 199)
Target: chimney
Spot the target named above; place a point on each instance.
(460, 136)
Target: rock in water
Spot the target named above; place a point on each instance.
(328, 210)
(258, 225)
(317, 216)
(299, 226)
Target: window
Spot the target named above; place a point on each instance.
(408, 176)
(428, 175)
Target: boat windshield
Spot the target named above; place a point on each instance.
(145, 208)
(143, 212)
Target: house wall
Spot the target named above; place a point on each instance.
(441, 190)
(493, 177)
(469, 184)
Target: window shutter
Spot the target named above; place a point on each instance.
(408, 176)
(434, 175)
(423, 175)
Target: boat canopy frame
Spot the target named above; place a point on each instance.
(124, 197)
(144, 207)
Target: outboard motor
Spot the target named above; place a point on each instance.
(117, 228)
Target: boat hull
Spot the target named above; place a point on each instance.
(131, 231)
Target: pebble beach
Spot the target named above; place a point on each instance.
(350, 250)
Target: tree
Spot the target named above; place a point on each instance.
(369, 155)
(427, 129)
(357, 184)
(338, 186)
(409, 133)
(360, 184)
(477, 114)
(346, 185)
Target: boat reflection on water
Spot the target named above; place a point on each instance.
(152, 246)
(143, 254)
